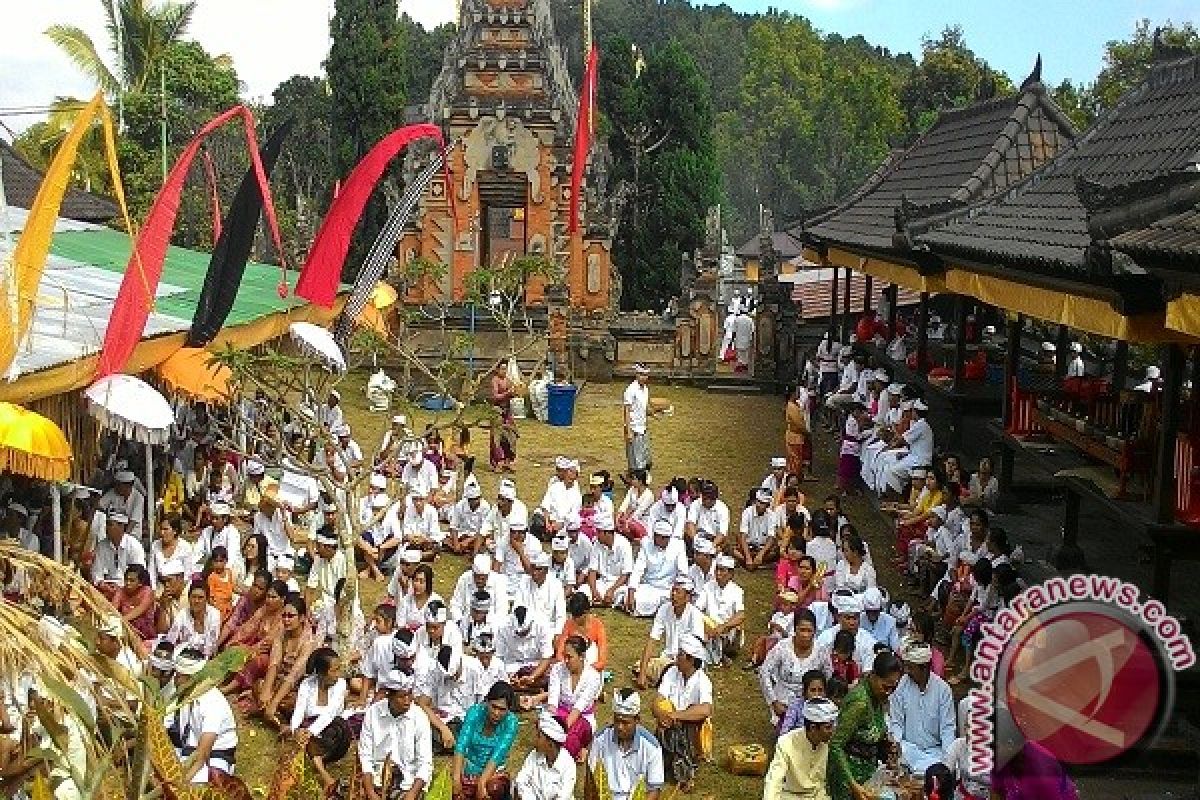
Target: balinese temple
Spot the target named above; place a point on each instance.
(505, 98)
(1102, 242)
(967, 156)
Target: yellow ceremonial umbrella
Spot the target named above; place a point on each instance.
(384, 295)
(33, 445)
(190, 371)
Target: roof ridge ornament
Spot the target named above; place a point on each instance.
(1034, 80)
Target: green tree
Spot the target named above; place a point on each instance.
(139, 35)
(367, 70)
(660, 131)
(950, 75)
(198, 87)
(1127, 62)
(304, 175)
(1076, 101)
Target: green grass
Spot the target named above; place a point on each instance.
(725, 437)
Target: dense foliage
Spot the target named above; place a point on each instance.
(748, 110)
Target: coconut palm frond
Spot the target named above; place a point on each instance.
(80, 48)
(174, 19)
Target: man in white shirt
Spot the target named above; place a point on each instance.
(514, 552)
(562, 497)
(637, 406)
(704, 562)
(561, 565)
(774, 480)
(526, 647)
(1076, 367)
(543, 594)
(611, 565)
(395, 732)
(203, 730)
(877, 622)
(921, 717)
(330, 415)
(466, 520)
(673, 621)
(419, 473)
(17, 524)
(420, 527)
(220, 533)
(756, 544)
(114, 553)
(724, 605)
(660, 560)
(630, 753)
(849, 609)
(328, 569)
(349, 454)
(480, 577)
(827, 363)
(668, 508)
(449, 689)
(918, 441)
(495, 523)
(125, 496)
(708, 517)
(579, 548)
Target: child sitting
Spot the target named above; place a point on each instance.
(779, 628)
(220, 581)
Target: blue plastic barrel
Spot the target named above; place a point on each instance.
(562, 404)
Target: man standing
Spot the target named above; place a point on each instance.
(798, 769)
(637, 407)
(629, 752)
(743, 341)
(922, 711)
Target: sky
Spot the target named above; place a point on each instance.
(271, 40)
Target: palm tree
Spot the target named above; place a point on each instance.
(139, 35)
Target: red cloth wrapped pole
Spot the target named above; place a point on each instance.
(323, 269)
(583, 137)
(144, 270)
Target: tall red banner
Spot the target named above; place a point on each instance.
(583, 136)
(144, 270)
(323, 269)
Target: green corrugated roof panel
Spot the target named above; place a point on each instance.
(109, 249)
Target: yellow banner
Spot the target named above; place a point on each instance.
(33, 247)
(1055, 305)
(902, 275)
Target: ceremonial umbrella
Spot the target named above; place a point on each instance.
(32, 445)
(318, 343)
(192, 372)
(135, 410)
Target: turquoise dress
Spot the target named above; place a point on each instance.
(477, 747)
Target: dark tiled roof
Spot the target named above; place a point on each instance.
(1043, 223)
(785, 246)
(967, 155)
(1156, 222)
(21, 182)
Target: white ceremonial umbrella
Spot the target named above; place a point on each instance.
(132, 408)
(135, 410)
(315, 341)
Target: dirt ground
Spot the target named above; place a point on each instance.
(729, 438)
